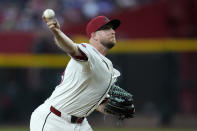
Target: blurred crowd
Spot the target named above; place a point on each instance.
(26, 14)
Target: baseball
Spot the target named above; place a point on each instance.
(49, 14)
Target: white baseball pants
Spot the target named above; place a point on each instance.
(44, 120)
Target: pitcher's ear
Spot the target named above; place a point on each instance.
(94, 36)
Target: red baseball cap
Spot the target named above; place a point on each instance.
(100, 21)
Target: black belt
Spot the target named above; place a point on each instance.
(74, 119)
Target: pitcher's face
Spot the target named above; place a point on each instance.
(107, 37)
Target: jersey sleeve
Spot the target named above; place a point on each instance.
(83, 51)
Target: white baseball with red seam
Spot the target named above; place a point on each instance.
(49, 14)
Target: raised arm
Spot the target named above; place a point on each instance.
(62, 41)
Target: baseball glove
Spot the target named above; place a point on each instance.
(120, 103)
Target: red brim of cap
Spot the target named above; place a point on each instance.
(115, 23)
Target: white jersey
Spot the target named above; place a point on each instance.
(84, 84)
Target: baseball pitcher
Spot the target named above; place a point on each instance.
(86, 81)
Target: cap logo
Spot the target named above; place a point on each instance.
(106, 19)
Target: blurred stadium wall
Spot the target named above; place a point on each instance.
(156, 53)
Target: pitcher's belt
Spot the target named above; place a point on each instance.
(73, 119)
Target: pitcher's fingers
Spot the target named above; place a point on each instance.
(51, 23)
(51, 26)
(45, 19)
(57, 23)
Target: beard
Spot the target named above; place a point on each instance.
(108, 44)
